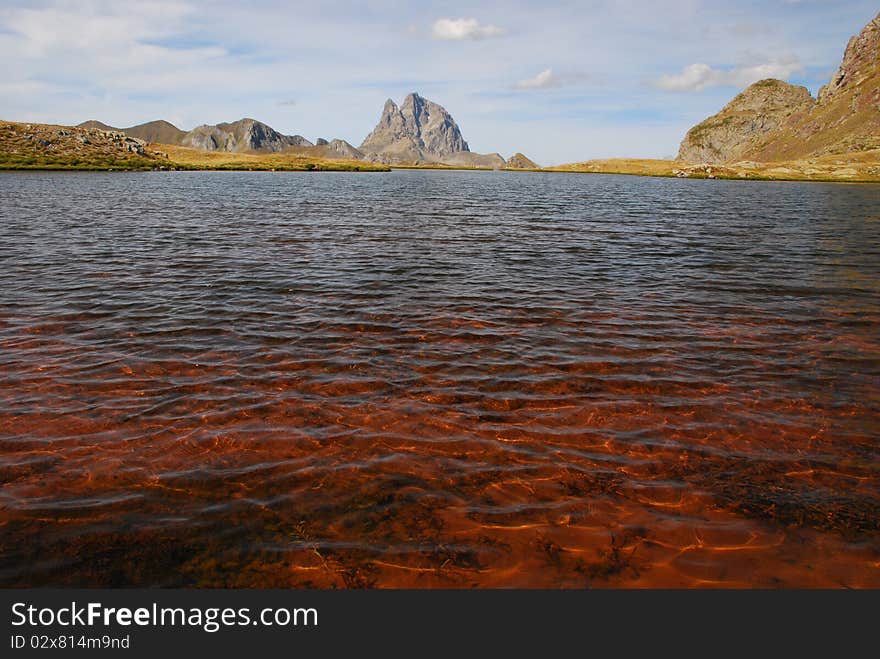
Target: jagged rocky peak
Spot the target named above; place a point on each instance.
(417, 131)
(758, 110)
(860, 61)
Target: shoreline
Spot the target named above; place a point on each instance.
(47, 147)
(390, 168)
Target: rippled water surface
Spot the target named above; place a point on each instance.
(438, 379)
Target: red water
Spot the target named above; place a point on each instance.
(314, 402)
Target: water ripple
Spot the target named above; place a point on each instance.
(438, 379)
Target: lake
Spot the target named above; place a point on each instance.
(437, 379)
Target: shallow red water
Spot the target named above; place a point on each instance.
(434, 379)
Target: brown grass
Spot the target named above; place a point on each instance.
(44, 146)
(188, 158)
(852, 167)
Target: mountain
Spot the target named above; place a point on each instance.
(729, 135)
(339, 149)
(158, 132)
(774, 121)
(419, 131)
(846, 117)
(42, 146)
(244, 135)
(519, 161)
(241, 136)
(96, 125)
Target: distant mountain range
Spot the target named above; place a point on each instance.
(419, 132)
(774, 121)
(770, 121)
(244, 135)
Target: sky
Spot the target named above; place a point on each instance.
(558, 81)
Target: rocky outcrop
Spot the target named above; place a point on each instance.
(744, 122)
(342, 149)
(419, 131)
(35, 145)
(244, 135)
(333, 149)
(519, 161)
(772, 121)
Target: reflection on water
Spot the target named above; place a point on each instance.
(438, 379)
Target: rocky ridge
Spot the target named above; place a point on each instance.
(42, 145)
(244, 135)
(418, 132)
(859, 62)
(773, 121)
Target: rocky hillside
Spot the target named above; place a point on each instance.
(774, 121)
(158, 132)
(42, 146)
(338, 149)
(519, 161)
(244, 135)
(744, 122)
(846, 117)
(417, 132)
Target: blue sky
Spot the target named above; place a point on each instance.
(559, 81)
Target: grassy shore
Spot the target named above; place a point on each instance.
(862, 167)
(186, 158)
(852, 167)
(50, 147)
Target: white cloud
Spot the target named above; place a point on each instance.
(547, 79)
(129, 61)
(461, 29)
(544, 80)
(699, 76)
